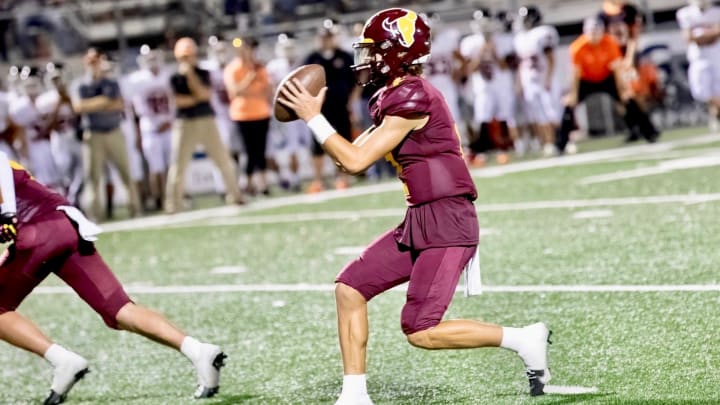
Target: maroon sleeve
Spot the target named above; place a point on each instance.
(408, 100)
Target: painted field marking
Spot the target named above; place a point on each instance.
(591, 214)
(569, 390)
(237, 288)
(228, 270)
(231, 211)
(480, 208)
(663, 167)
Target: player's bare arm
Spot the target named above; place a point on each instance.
(240, 88)
(572, 97)
(200, 92)
(98, 103)
(704, 37)
(185, 101)
(619, 70)
(550, 55)
(353, 158)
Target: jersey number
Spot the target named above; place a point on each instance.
(159, 103)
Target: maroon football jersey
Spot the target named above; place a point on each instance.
(429, 161)
(32, 198)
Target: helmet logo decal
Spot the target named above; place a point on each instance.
(403, 27)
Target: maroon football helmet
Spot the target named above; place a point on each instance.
(392, 41)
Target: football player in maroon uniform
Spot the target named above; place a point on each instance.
(47, 235)
(413, 129)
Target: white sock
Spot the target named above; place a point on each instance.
(190, 347)
(512, 339)
(354, 384)
(57, 354)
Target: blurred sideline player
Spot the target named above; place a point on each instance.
(12, 136)
(286, 139)
(25, 113)
(700, 22)
(65, 139)
(220, 55)
(338, 105)
(624, 22)
(195, 125)
(152, 101)
(133, 143)
(49, 236)
(444, 68)
(507, 75)
(100, 104)
(439, 235)
(492, 84)
(535, 46)
(598, 68)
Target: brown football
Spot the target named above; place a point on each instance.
(311, 76)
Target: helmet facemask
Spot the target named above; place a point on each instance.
(369, 67)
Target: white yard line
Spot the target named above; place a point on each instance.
(590, 157)
(666, 166)
(500, 207)
(568, 390)
(238, 288)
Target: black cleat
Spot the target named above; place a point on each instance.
(204, 392)
(54, 398)
(219, 361)
(537, 380)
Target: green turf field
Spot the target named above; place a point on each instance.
(568, 241)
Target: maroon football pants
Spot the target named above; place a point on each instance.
(52, 245)
(432, 273)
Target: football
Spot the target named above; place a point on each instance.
(311, 76)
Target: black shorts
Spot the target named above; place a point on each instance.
(606, 86)
(340, 120)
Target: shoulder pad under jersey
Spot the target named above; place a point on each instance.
(408, 99)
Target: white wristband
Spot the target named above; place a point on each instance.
(321, 128)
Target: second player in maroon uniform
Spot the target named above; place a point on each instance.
(429, 249)
(47, 235)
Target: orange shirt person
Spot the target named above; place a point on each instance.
(248, 86)
(597, 62)
(249, 90)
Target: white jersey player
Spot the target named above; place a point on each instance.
(66, 146)
(129, 128)
(492, 81)
(700, 22)
(25, 113)
(286, 140)
(443, 68)
(221, 55)
(7, 138)
(535, 47)
(152, 101)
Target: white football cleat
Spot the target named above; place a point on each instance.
(534, 355)
(549, 150)
(571, 148)
(208, 363)
(72, 370)
(358, 399)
